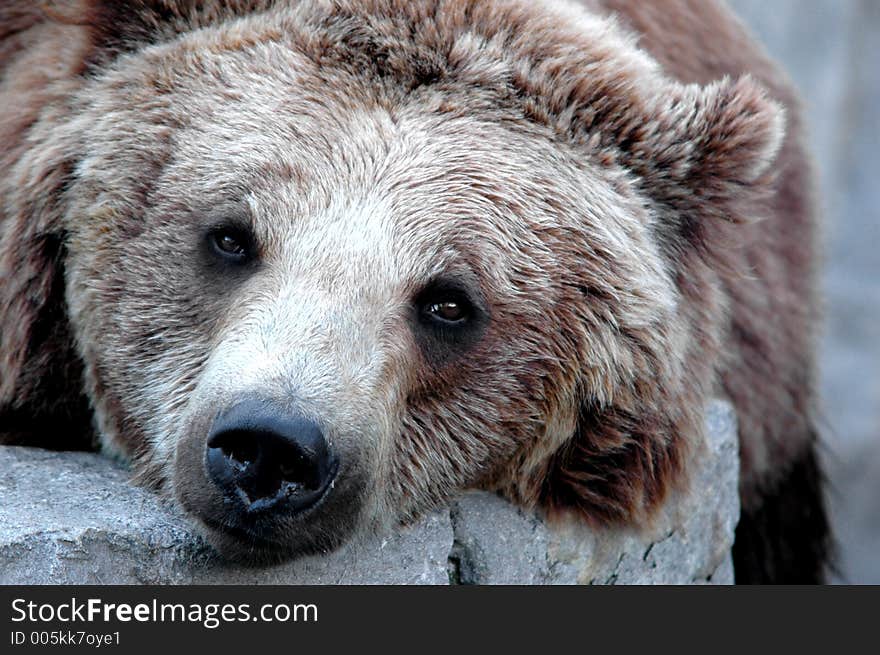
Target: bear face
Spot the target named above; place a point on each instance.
(326, 265)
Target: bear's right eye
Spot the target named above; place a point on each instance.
(232, 244)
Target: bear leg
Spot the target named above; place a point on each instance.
(786, 538)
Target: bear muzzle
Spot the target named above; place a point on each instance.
(266, 483)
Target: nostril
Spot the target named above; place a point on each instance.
(295, 468)
(236, 447)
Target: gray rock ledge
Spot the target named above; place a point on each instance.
(73, 518)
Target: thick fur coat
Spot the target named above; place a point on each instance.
(616, 191)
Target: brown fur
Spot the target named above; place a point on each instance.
(638, 227)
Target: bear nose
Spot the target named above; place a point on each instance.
(268, 459)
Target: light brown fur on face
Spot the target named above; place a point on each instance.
(615, 216)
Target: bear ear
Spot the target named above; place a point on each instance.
(699, 150)
(41, 396)
(41, 400)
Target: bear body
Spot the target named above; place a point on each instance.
(315, 266)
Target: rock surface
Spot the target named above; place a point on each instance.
(74, 518)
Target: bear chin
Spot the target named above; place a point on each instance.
(264, 538)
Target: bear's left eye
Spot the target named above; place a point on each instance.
(450, 311)
(450, 316)
(445, 306)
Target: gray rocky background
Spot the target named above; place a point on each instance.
(831, 49)
(72, 518)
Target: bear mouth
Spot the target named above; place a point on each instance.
(256, 528)
(265, 539)
(259, 548)
(248, 546)
(245, 535)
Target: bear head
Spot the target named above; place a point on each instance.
(317, 266)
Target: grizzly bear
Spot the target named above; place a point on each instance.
(314, 266)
